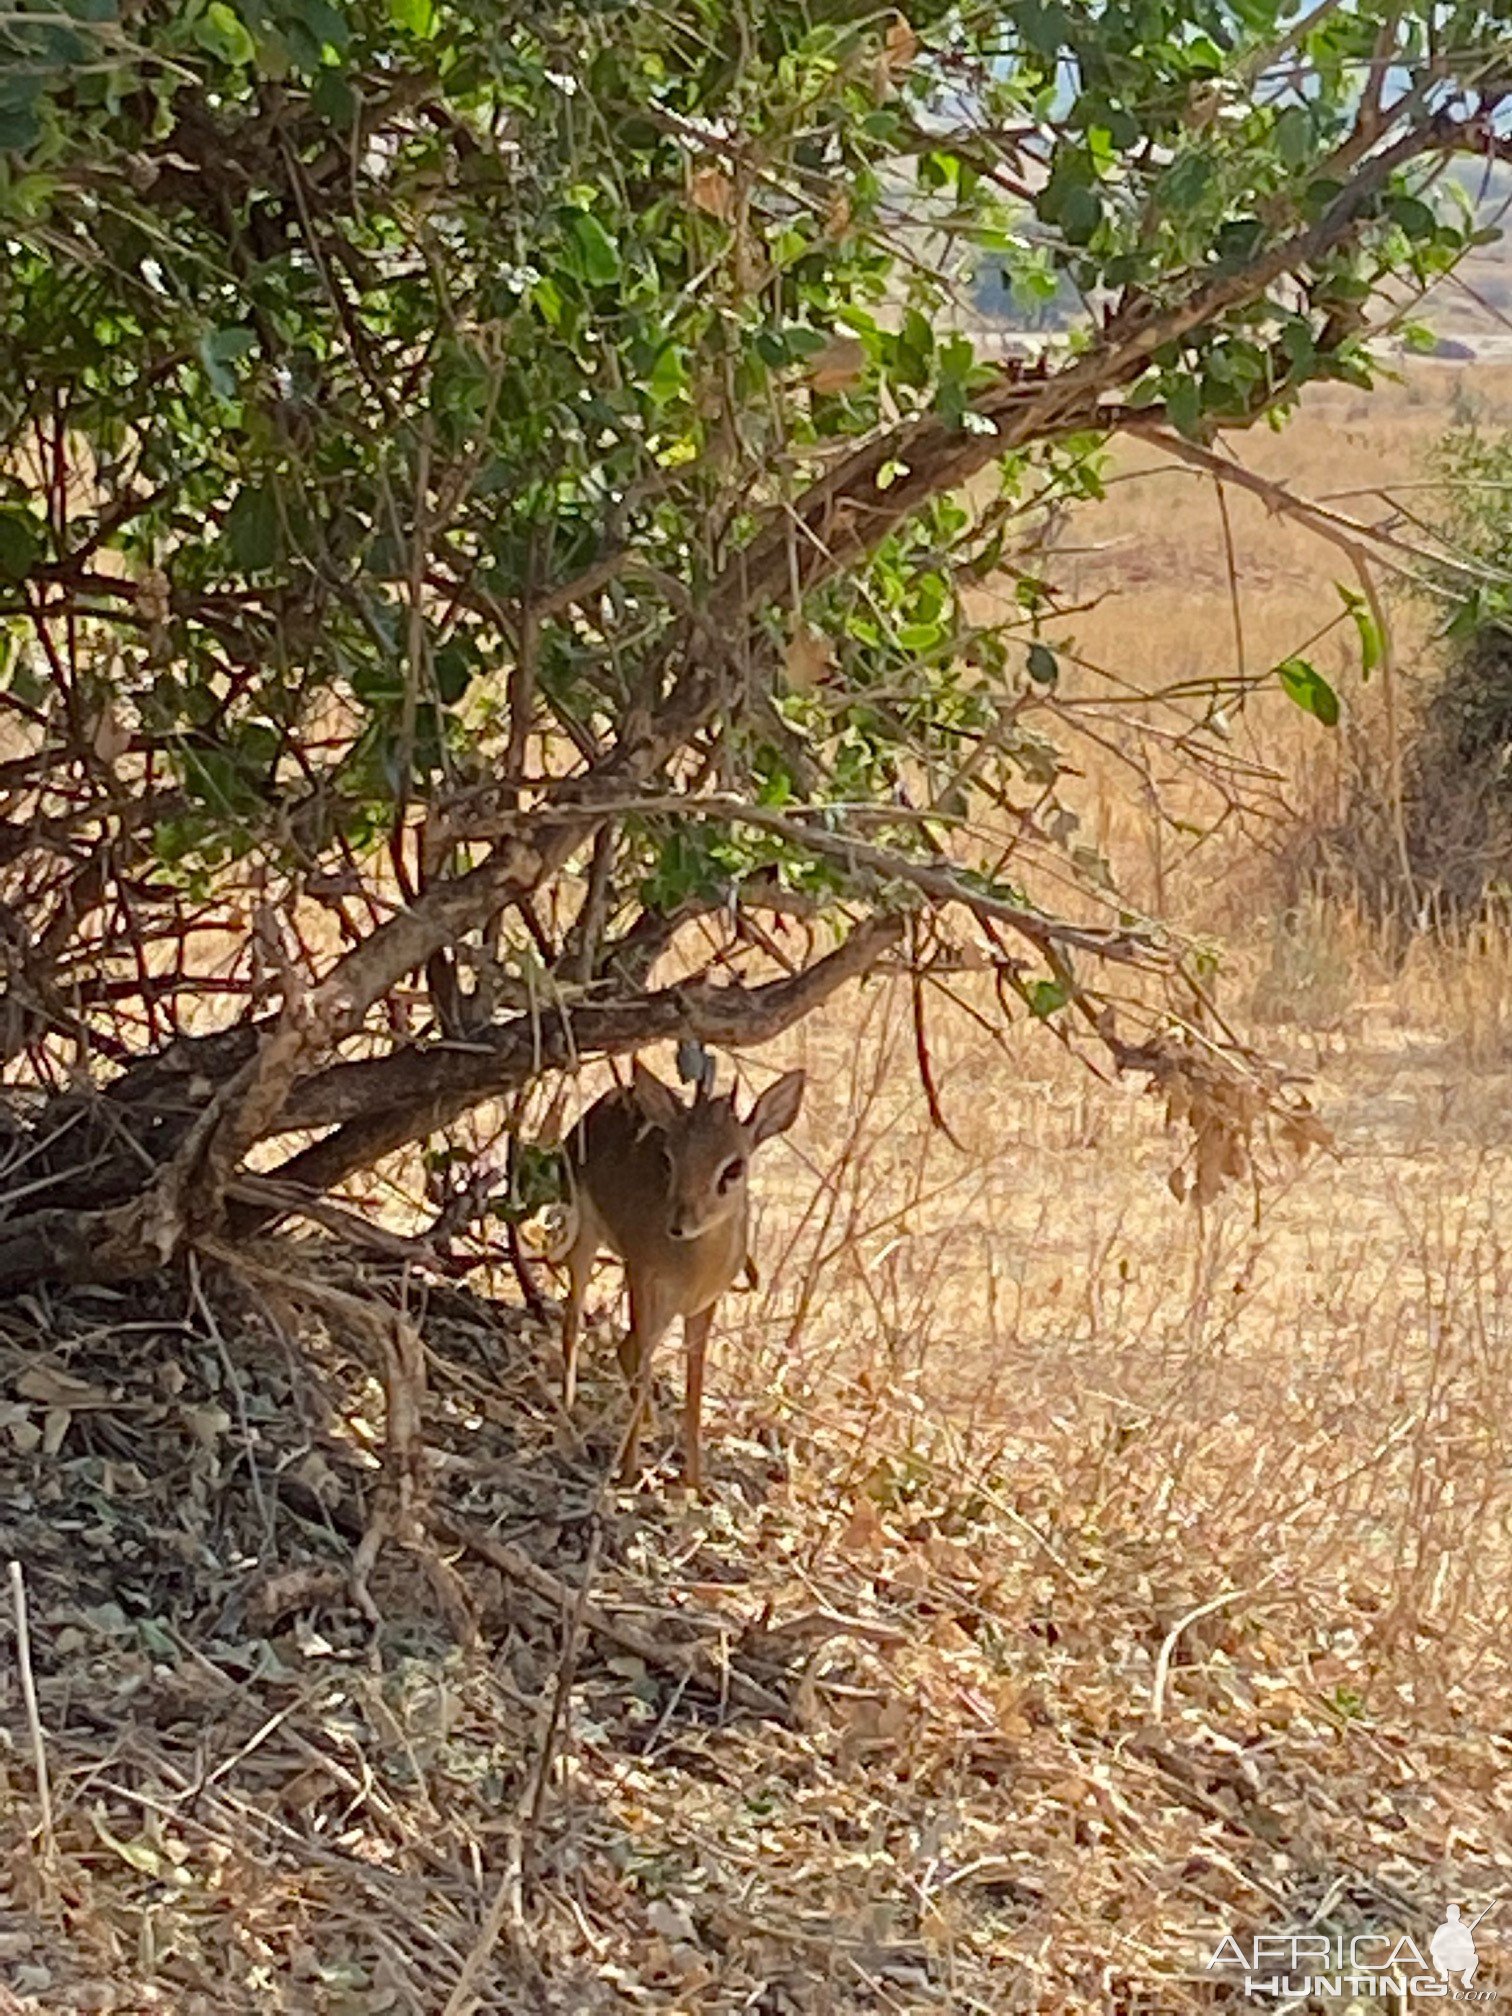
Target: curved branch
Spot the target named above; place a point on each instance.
(388, 1102)
(845, 514)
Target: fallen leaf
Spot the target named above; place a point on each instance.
(673, 1921)
(808, 658)
(948, 1635)
(864, 1532)
(315, 1474)
(839, 366)
(912, 1573)
(26, 1436)
(206, 1424)
(51, 1386)
(139, 1853)
(690, 1964)
(893, 1717)
(712, 191)
(304, 1790)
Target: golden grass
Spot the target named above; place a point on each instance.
(1153, 561)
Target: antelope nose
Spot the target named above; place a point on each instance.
(677, 1230)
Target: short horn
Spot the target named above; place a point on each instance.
(695, 1067)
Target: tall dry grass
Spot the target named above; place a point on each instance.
(1304, 1382)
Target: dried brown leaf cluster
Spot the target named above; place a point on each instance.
(1220, 1110)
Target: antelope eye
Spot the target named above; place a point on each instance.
(731, 1173)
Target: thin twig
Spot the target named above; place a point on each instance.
(572, 1639)
(33, 1716)
(1173, 1636)
(506, 1905)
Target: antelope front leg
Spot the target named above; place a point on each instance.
(696, 1336)
(577, 1253)
(572, 1328)
(648, 1325)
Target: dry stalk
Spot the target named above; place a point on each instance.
(507, 1906)
(49, 1856)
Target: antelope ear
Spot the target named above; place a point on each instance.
(777, 1108)
(658, 1103)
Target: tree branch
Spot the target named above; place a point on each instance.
(406, 1097)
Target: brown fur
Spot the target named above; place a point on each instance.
(664, 1185)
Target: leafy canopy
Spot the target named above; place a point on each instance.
(440, 440)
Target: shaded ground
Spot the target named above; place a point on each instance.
(899, 1720)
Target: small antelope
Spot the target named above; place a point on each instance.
(663, 1185)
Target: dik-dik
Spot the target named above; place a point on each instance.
(663, 1185)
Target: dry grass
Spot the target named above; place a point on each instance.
(1083, 1576)
(1153, 562)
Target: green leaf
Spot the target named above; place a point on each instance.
(1184, 405)
(220, 30)
(21, 95)
(1319, 195)
(796, 343)
(1070, 169)
(1238, 241)
(20, 544)
(913, 349)
(1044, 24)
(324, 26)
(418, 16)
(1302, 682)
(1080, 215)
(1468, 618)
(252, 528)
(380, 686)
(220, 348)
(334, 99)
(454, 668)
(1293, 135)
(549, 299)
(592, 254)
(919, 637)
(1298, 343)
(1185, 182)
(1372, 643)
(1044, 666)
(668, 375)
(1046, 996)
(1413, 216)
